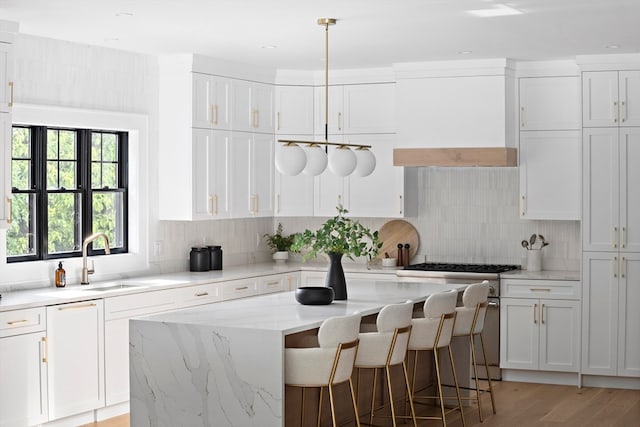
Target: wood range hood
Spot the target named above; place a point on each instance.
(458, 156)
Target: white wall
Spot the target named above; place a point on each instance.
(471, 215)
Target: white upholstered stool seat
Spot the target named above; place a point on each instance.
(470, 323)
(329, 364)
(387, 347)
(432, 333)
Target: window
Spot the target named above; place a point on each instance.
(66, 184)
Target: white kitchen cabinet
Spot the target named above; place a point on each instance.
(241, 288)
(294, 110)
(610, 200)
(549, 103)
(611, 295)
(5, 175)
(540, 331)
(211, 152)
(550, 175)
(294, 195)
(273, 283)
(23, 368)
(211, 100)
(252, 173)
(358, 108)
(75, 336)
(6, 76)
(329, 192)
(252, 106)
(610, 98)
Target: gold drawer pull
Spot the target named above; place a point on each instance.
(16, 322)
(277, 282)
(243, 288)
(45, 350)
(202, 294)
(76, 307)
(535, 312)
(540, 289)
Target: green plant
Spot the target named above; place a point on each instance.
(338, 235)
(279, 242)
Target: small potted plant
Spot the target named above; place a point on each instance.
(279, 244)
(337, 237)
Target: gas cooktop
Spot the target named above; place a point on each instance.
(462, 268)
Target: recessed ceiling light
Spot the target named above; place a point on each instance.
(612, 46)
(124, 14)
(497, 10)
(111, 39)
(465, 52)
(269, 46)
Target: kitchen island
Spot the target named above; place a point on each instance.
(223, 364)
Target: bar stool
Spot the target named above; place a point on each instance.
(470, 323)
(433, 332)
(385, 348)
(329, 364)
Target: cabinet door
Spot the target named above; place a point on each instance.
(6, 77)
(23, 384)
(600, 98)
(330, 191)
(240, 178)
(242, 116)
(293, 194)
(550, 103)
(262, 171)
(629, 194)
(116, 344)
(210, 174)
(5, 174)
(272, 284)
(370, 108)
(519, 333)
(550, 178)
(600, 197)
(294, 110)
(381, 193)
(559, 335)
(263, 116)
(629, 316)
(210, 102)
(334, 118)
(629, 86)
(599, 313)
(75, 334)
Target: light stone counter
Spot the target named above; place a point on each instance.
(223, 364)
(541, 275)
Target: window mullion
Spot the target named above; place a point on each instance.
(84, 183)
(40, 184)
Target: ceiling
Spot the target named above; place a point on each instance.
(369, 33)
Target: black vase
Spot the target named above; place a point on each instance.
(335, 276)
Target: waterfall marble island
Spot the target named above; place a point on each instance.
(223, 364)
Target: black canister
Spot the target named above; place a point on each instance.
(216, 257)
(199, 258)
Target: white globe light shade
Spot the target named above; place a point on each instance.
(290, 159)
(366, 162)
(342, 161)
(316, 160)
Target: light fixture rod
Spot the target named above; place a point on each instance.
(326, 22)
(337, 144)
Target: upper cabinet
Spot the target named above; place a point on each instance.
(6, 104)
(611, 98)
(294, 110)
(211, 99)
(6, 76)
(549, 103)
(356, 109)
(252, 106)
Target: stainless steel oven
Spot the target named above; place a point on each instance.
(467, 274)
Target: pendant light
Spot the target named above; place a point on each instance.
(342, 161)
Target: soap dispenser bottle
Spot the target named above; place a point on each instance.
(61, 276)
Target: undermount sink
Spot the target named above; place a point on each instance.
(111, 287)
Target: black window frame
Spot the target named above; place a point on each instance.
(38, 142)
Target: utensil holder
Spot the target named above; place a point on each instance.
(534, 260)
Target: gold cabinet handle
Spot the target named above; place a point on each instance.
(615, 266)
(45, 350)
(210, 204)
(76, 307)
(202, 294)
(542, 314)
(623, 112)
(10, 207)
(401, 205)
(522, 116)
(214, 114)
(623, 266)
(10, 104)
(17, 322)
(522, 211)
(274, 283)
(615, 112)
(278, 120)
(615, 237)
(540, 289)
(535, 313)
(623, 237)
(215, 204)
(242, 288)
(278, 203)
(339, 121)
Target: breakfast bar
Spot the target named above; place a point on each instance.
(223, 364)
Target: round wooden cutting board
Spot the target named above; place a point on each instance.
(398, 231)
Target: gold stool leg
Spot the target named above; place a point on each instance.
(486, 365)
(373, 394)
(302, 410)
(393, 408)
(475, 373)
(333, 406)
(455, 382)
(435, 357)
(406, 381)
(319, 407)
(355, 405)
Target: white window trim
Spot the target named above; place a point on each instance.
(108, 267)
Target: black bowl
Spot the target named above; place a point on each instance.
(314, 295)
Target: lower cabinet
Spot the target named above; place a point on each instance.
(23, 368)
(75, 338)
(540, 333)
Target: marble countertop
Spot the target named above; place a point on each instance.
(280, 311)
(541, 275)
(50, 295)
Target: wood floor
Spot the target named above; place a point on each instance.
(539, 405)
